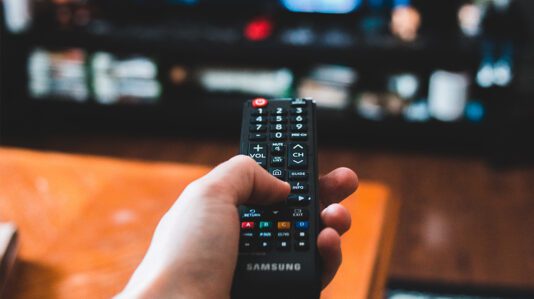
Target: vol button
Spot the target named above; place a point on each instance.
(258, 152)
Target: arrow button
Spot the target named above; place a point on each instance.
(297, 156)
(298, 200)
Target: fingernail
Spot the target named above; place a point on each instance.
(330, 209)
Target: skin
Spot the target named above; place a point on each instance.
(194, 249)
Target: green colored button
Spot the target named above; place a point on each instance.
(266, 225)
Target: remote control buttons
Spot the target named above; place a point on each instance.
(266, 235)
(278, 136)
(278, 127)
(278, 148)
(301, 245)
(258, 152)
(298, 200)
(246, 245)
(264, 245)
(298, 118)
(278, 119)
(273, 127)
(301, 235)
(302, 225)
(283, 225)
(298, 155)
(251, 213)
(258, 127)
(298, 175)
(277, 161)
(259, 111)
(266, 225)
(282, 235)
(298, 102)
(259, 102)
(278, 111)
(247, 235)
(257, 137)
(278, 173)
(299, 136)
(283, 244)
(298, 110)
(258, 119)
(299, 187)
(299, 127)
(247, 225)
(299, 213)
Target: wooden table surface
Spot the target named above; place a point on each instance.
(85, 223)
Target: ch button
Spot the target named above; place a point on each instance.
(297, 156)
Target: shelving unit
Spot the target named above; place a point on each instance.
(215, 36)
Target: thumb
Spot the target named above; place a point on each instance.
(245, 182)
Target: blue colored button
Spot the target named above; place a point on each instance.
(302, 225)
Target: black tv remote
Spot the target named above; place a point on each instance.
(278, 256)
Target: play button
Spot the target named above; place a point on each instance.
(298, 200)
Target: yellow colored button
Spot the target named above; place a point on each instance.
(283, 225)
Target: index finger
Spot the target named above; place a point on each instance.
(337, 185)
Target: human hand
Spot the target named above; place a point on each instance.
(194, 249)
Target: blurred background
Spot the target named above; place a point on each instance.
(433, 98)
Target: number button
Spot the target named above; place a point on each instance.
(298, 127)
(298, 119)
(278, 136)
(298, 110)
(278, 127)
(258, 127)
(278, 111)
(259, 111)
(278, 119)
(258, 119)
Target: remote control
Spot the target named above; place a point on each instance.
(278, 256)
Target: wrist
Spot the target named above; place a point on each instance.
(169, 285)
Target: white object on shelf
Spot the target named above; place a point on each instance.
(447, 95)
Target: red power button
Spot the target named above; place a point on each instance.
(259, 102)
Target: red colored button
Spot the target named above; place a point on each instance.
(247, 225)
(259, 102)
